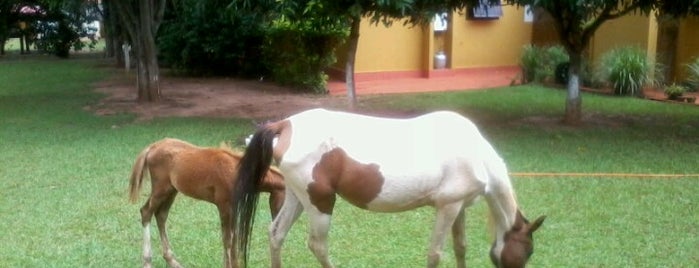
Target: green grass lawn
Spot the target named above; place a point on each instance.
(64, 174)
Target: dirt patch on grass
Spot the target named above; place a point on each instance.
(208, 97)
(228, 98)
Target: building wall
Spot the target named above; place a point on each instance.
(687, 45)
(631, 30)
(385, 49)
(490, 43)
(467, 43)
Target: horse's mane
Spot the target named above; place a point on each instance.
(238, 154)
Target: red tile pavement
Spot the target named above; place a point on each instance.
(447, 80)
(438, 80)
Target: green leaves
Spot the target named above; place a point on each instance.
(627, 69)
(693, 74)
(297, 53)
(539, 63)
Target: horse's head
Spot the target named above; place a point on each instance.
(518, 243)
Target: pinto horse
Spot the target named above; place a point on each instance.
(438, 159)
(202, 173)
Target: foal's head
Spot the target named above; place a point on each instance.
(518, 243)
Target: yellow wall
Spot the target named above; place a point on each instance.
(630, 30)
(490, 43)
(397, 48)
(467, 43)
(687, 45)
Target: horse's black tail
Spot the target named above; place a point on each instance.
(251, 170)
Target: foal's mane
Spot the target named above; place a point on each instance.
(226, 147)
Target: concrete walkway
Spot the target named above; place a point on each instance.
(440, 80)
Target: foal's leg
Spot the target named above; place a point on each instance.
(161, 219)
(160, 200)
(230, 259)
(446, 215)
(146, 215)
(457, 233)
(289, 213)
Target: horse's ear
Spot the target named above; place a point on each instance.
(520, 221)
(537, 223)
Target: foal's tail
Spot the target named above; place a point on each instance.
(251, 171)
(137, 174)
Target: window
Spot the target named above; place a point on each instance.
(486, 11)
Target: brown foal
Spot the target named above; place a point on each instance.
(202, 173)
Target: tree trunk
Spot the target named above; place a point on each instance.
(109, 24)
(349, 65)
(141, 20)
(573, 110)
(21, 44)
(148, 71)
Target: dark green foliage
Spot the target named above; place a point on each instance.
(673, 91)
(540, 64)
(561, 73)
(207, 38)
(297, 53)
(249, 40)
(58, 25)
(57, 38)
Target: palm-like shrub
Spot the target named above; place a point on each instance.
(693, 74)
(627, 70)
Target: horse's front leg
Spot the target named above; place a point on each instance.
(288, 214)
(446, 215)
(161, 218)
(457, 233)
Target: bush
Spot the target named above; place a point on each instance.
(206, 38)
(529, 62)
(297, 53)
(673, 91)
(56, 38)
(562, 73)
(693, 74)
(61, 27)
(541, 64)
(627, 70)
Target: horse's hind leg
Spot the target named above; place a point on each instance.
(446, 215)
(161, 218)
(288, 214)
(318, 238)
(154, 204)
(457, 233)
